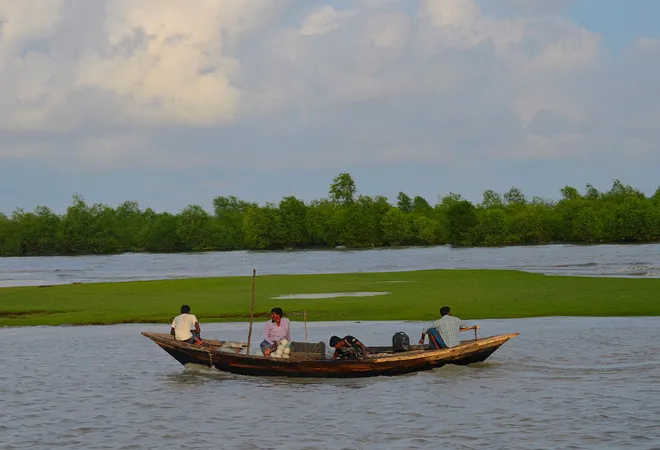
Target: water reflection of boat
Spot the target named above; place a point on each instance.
(310, 359)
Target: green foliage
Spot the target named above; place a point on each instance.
(362, 222)
(514, 197)
(260, 227)
(656, 197)
(345, 218)
(491, 199)
(342, 189)
(294, 231)
(421, 206)
(397, 227)
(325, 223)
(195, 229)
(404, 203)
(228, 213)
(425, 231)
(462, 219)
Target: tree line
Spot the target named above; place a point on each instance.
(344, 218)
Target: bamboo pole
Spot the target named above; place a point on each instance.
(305, 319)
(254, 281)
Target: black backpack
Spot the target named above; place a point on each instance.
(400, 342)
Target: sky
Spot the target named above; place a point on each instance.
(170, 105)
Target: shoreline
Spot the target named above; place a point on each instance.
(340, 248)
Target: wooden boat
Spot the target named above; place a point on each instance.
(310, 359)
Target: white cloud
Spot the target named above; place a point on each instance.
(387, 31)
(376, 83)
(182, 69)
(648, 45)
(534, 7)
(27, 19)
(26, 76)
(28, 91)
(324, 20)
(454, 13)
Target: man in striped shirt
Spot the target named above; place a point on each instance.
(444, 332)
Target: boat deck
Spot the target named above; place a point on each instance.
(311, 360)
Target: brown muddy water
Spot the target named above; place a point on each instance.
(564, 383)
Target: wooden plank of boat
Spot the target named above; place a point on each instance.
(464, 348)
(208, 343)
(314, 363)
(389, 366)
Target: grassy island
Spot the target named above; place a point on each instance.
(415, 295)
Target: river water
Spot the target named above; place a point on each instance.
(564, 383)
(598, 260)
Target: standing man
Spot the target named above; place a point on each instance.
(444, 332)
(185, 327)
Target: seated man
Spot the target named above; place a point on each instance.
(348, 348)
(185, 327)
(276, 329)
(444, 332)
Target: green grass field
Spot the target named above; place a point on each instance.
(472, 294)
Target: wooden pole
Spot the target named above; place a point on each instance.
(254, 281)
(305, 319)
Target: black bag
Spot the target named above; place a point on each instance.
(400, 342)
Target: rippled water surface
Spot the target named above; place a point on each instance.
(598, 260)
(563, 383)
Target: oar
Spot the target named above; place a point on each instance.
(475, 328)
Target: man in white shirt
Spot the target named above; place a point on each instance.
(185, 327)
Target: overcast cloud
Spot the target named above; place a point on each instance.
(170, 104)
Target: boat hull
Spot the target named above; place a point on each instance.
(390, 364)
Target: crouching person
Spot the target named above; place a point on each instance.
(348, 347)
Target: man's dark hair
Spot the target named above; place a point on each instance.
(277, 311)
(444, 310)
(334, 340)
(185, 309)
